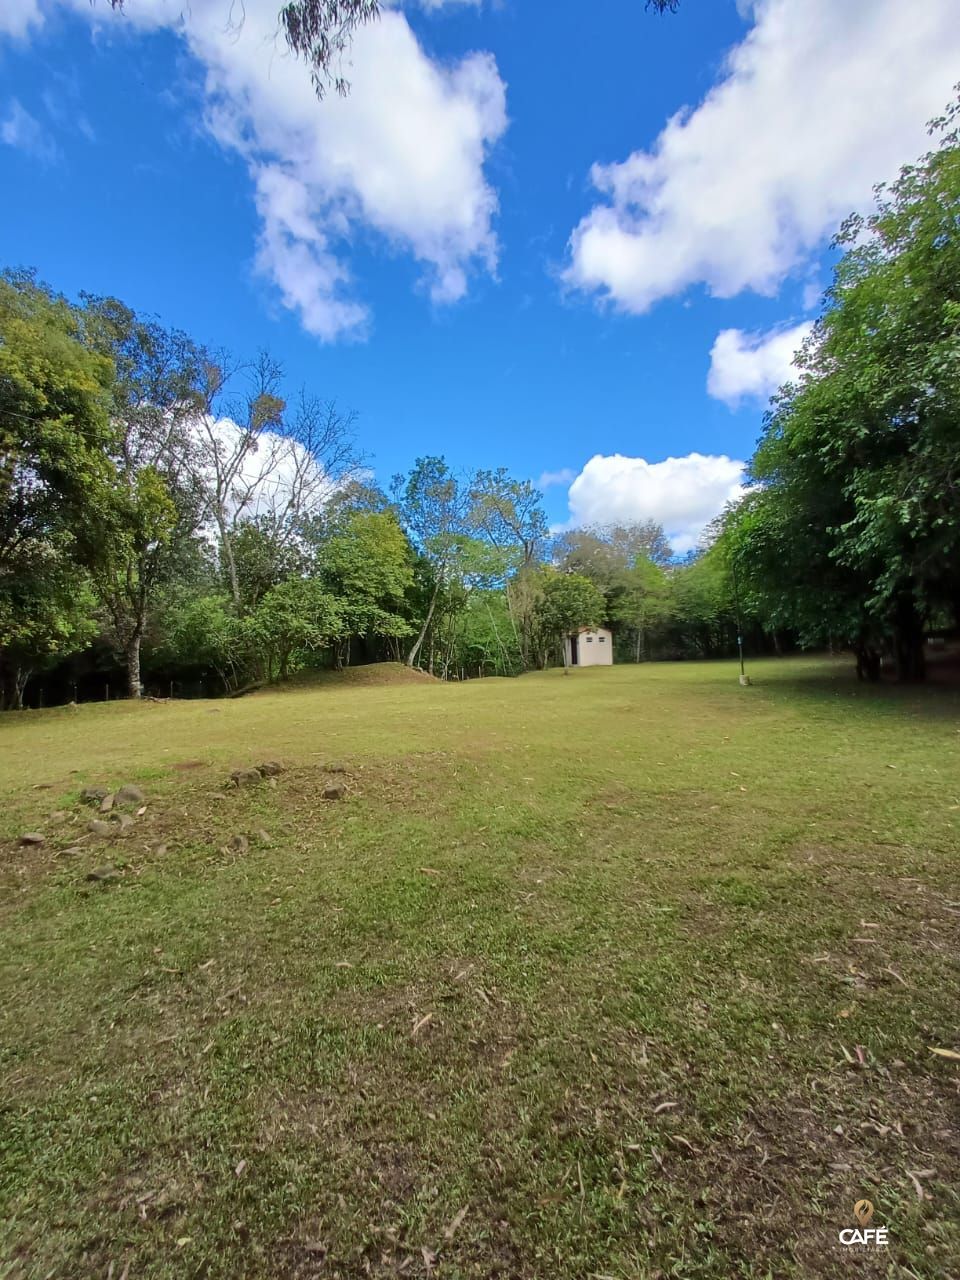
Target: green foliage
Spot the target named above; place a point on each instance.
(55, 430)
(855, 534)
(567, 601)
(292, 622)
(367, 566)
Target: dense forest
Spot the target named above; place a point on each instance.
(173, 520)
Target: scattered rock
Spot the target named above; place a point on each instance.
(246, 777)
(129, 794)
(334, 766)
(106, 804)
(93, 795)
(59, 815)
(98, 827)
(125, 821)
(269, 768)
(32, 838)
(335, 791)
(103, 875)
(264, 836)
(240, 843)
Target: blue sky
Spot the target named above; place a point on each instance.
(506, 246)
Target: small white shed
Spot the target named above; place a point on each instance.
(589, 647)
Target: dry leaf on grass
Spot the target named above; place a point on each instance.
(946, 1053)
(456, 1223)
(665, 1106)
(424, 1021)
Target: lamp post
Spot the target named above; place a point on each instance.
(744, 678)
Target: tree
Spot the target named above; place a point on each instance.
(858, 461)
(291, 623)
(509, 513)
(642, 601)
(157, 502)
(55, 429)
(47, 613)
(568, 601)
(263, 462)
(433, 509)
(367, 567)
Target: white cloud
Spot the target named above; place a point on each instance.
(402, 156)
(753, 365)
(551, 479)
(682, 494)
(18, 16)
(818, 103)
(20, 129)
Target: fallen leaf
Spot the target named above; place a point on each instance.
(946, 1053)
(240, 1168)
(456, 1223)
(429, 871)
(665, 1106)
(418, 1026)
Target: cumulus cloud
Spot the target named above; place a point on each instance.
(683, 494)
(403, 156)
(820, 101)
(752, 366)
(20, 129)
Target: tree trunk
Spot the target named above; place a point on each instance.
(226, 551)
(20, 677)
(418, 643)
(132, 656)
(909, 656)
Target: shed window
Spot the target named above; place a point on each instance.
(589, 639)
(602, 639)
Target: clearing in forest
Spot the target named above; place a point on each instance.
(629, 973)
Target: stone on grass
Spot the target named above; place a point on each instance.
(106, 804)
(240, 843)
(335, 791)
(32, 838)
(103, 875)
(269, 768)
(93, 795)
(334, 766)
(125, 821)
(129, 794)
(246, 777)
(98, 827)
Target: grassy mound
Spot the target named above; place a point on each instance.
(376, 674)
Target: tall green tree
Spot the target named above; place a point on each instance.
(433, 508)
(56, 434)
(859, 462)
(158, 502)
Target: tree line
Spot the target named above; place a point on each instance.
(169, 509)
(173, 510)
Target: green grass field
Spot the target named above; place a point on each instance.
(634, 973)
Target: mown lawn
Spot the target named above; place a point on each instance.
(634, 973)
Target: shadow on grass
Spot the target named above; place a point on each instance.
(832, 681)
